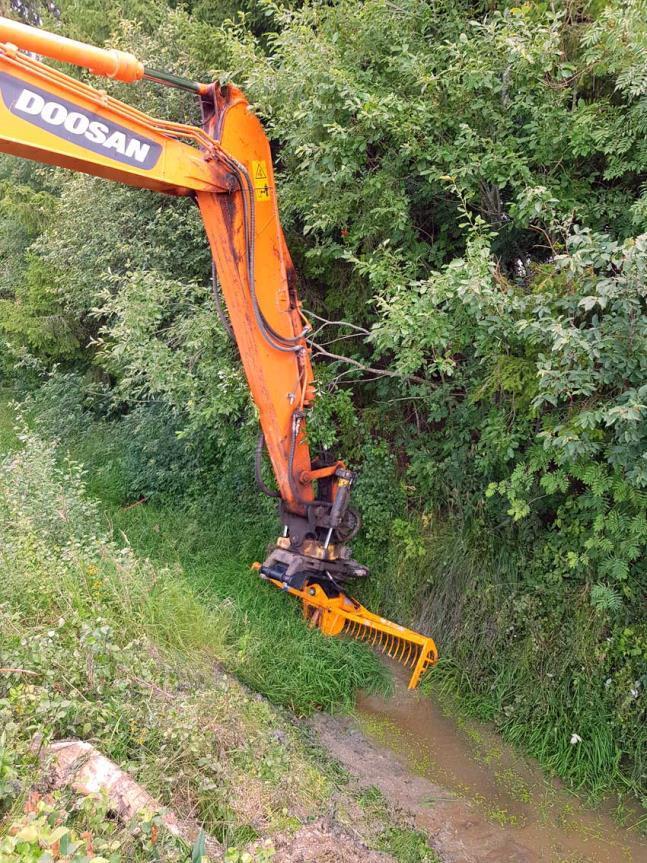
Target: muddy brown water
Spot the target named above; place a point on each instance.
(472, 763)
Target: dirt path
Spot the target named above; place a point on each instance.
(477, 800)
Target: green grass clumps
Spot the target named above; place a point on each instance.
(404, 843)
(180, 571)
(207, 531)
(407, 845)
(541, 665)
(56, 560)
(209, 528)
(98, 643)
(8, 439)
(102, 644)
(273, 650)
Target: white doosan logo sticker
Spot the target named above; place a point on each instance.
(70, 122)
(56, 114)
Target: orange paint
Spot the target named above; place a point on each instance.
(109, 62)
(50, 117)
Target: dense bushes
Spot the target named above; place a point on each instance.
(466, 182)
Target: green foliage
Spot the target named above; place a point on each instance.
(465, 183)
(544, 659)
(31, 315)
(605, 598)
(263, 855)
(163, 340)
(379, 491)
(35, 319)
(8, 438)
(408, 846)
(372, 120)
(276, 653)
(86, 833)
(100, 644)
(45, 516)
(10, 786)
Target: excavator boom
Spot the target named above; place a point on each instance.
(226, 165)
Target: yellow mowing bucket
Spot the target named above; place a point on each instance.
(342, 615)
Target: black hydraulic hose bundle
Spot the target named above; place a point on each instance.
(287, 344)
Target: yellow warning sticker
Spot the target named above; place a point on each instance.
(261, 180)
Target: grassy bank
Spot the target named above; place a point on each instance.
(538, 664)
(528, 661)
(8, 438)
(276, 653)
(102, 644)
(211, 537)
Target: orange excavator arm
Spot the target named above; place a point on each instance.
(226, 166)
(50, 117)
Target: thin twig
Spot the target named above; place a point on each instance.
(136, 503)
(328, 323)
(378, 372)
(150, 685)
(18, 671)
(539, 230)
(403, 399)
(341, 339)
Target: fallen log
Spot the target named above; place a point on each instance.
(78, 765)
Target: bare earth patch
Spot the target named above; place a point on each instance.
(324, 843)
(457, 831)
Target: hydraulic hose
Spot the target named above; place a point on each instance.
(287, 344)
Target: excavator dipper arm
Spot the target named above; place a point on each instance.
(226, 166)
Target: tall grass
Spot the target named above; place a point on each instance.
(101, 644)
(532, 666)
(55, 559)
(212, 599)
(507, 653)
(8, 439)
(275, 652)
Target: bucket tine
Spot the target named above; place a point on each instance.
(401, 645)
(341, 615)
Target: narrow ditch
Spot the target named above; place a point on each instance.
(477, 798)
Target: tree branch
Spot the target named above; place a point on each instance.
(327, 323)
(371, 369)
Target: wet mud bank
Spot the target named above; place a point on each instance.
(474, 796)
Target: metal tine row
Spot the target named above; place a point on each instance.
(401, 649)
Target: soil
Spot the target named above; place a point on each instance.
(475, 797)
(324, 843)
(455, 828)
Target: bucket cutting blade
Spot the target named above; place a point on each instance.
(340, 614)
